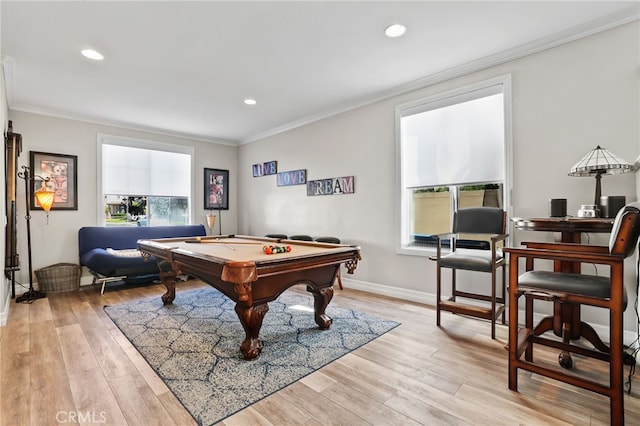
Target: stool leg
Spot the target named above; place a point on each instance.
(528, 318)
(504, 294)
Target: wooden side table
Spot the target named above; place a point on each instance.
(570, 228)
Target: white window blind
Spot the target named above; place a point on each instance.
(136, 171)
(457, 140)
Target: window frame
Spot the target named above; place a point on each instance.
(403, 210)
(106, 139)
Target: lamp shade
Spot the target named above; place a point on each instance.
(211, 221)
(45, 199)
(600, 161)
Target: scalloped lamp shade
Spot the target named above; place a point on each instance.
(598, 162)
(211, 222)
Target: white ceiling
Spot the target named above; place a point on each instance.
(185, 67)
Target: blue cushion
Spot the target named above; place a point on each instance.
(98, 260)
(93, 242)
(126, 237)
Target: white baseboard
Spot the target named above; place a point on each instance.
(430, 299)
(4, 314)
(383, 290)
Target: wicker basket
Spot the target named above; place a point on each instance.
(59, 277)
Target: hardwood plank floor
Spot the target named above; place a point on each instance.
(62, 361)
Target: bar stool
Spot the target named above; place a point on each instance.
(568, 292)
(277, 236)
(301, 237)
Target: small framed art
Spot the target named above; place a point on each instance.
(216, 189)
(62, 173)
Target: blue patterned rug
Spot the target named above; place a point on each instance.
(193, 345)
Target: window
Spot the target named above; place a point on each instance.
(453, 152)
(143, 183)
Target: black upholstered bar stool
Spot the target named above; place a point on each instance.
(277, 236)
(475, 242)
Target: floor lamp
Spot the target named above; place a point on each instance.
(220, 218)
(45, 200)
(211, 222)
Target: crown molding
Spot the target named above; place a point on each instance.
(623, 17)
(117, 124)
(8, 71)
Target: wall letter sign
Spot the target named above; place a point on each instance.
(292, 177)
(331, 186)
(264, 169)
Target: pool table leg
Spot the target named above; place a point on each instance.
(251, 319)
(168, 277)
(321, 298)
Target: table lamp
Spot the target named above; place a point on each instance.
(598, 162)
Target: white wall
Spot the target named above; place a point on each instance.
(637, 174)
(58, 241)
(566, 100)
(4, 286)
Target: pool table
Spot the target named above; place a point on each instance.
(238, 266)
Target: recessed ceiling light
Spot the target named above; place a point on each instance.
(250, 101)
(92, 54)
(395, 30)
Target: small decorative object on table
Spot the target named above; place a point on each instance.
(557, 207)
(611, 205)
(589, 210)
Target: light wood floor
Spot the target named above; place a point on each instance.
(62, 361)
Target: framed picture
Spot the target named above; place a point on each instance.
(216, 189)
(62, 174)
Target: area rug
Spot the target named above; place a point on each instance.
(193, 345)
